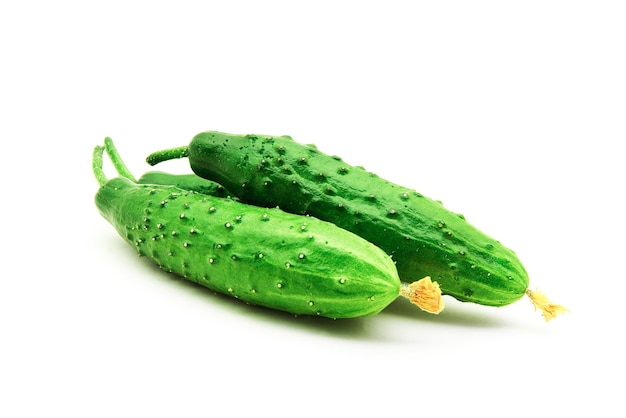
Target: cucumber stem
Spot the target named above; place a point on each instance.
(548, 309)
(116, 159)
(97, 165)
(168, 154)
(424, 293)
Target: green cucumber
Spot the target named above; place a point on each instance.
(265, 257)
(190, 182)
(422, 236)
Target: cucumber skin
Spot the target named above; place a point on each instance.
(218, 242)
(190, 182)
(422, 236)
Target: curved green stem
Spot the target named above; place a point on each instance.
(168, 154)
(97, 165)
(116, 159)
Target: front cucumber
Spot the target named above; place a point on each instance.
(265, 257)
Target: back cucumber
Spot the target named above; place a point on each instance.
(190, 182)
(422, 236)
(265, 257)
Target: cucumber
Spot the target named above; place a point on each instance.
(422, 236)
(265, 257)
(190, 182)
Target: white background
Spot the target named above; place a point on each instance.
(509, 112)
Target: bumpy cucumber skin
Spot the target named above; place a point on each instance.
(190, 182)
(422, 236)
(265, 257)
